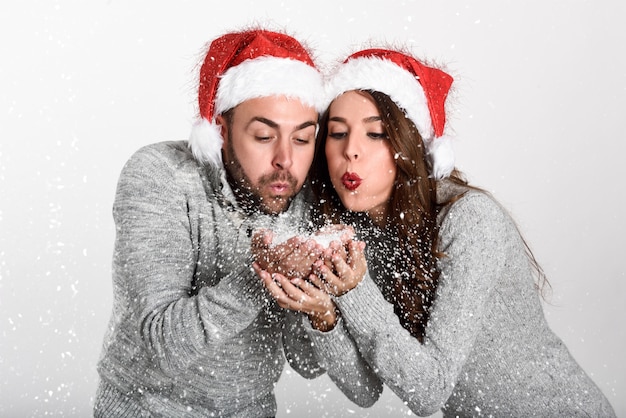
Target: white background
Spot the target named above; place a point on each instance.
(540, 102)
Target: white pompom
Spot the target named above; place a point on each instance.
(441, 155)
(205, 142)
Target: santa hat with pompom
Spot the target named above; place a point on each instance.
(245, 65)
(419, 90)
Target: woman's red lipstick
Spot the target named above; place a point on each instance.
(351, 181)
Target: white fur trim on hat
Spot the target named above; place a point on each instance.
(441, 156)
(373, 73)
(270, 76)
(206, 142)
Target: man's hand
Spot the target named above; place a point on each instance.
(301, 296)
(293, 258)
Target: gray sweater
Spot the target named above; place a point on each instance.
(488, 350)
(192, 333)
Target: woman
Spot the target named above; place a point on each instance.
(442, 257)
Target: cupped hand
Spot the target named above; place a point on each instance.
(342, 269)
(302, 296)
(293, 258)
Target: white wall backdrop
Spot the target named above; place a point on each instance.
(540, 103)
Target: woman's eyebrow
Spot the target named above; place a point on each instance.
(371, 119)
(368, 119)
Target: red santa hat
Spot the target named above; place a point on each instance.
(419, 90)
(246, 65)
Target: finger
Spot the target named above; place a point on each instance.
(268, 280)
(355, 251)
(307, 298)
(290, 289)
(317, 301)
(274, 289)
(309, 288)
(313, 247)
(331, 281)
(288, 296)
(341, 267)
(314, 252)
(263, 274)
(357, 257)
(327, 257)
(316, 281)
(337, 247)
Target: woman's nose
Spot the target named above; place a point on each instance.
(352, 150)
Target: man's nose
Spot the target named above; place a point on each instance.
(282, 155)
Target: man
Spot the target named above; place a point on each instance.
(192, 332)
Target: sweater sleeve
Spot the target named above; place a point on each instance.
(344, 364)
(154, 264)
(299, 347)
(424, 375)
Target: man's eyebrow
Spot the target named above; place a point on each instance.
(306, 125)
(275, 125)
(265, 121)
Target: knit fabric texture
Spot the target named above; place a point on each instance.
(488, 350)
(193, 332)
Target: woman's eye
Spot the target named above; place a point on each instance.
(377, 135)
(337, 135)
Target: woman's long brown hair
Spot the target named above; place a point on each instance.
(413, 210)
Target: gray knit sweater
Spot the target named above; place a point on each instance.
(488, 350)
(192, 333)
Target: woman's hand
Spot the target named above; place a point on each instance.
(293, 258)
(302, 296)
(341, 270)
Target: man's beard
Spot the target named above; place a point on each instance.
(249, 196)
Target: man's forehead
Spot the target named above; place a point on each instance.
(275, 112)
(270, 103)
